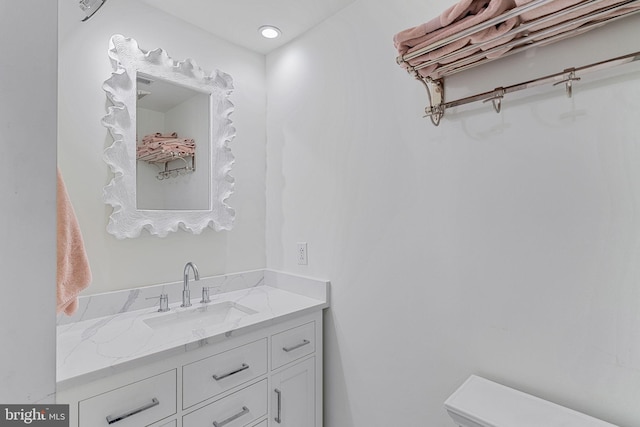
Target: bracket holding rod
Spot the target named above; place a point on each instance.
(435, 90)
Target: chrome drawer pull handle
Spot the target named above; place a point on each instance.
(243, 367)
(297, 346)
(277, 418)
(244, 411)
(111, 420)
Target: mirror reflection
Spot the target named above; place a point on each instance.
(172, 134)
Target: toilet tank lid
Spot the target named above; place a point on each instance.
(489, 404)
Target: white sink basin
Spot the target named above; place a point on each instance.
(200, 317)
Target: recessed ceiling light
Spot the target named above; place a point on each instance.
(269, 31)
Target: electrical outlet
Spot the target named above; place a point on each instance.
(302, 253)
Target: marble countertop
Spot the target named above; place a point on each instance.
(93, 348)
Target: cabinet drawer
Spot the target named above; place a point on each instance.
(211, 376)
(236, 410)
(134, 405)
(292, 344)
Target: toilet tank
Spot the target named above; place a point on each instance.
(483, 403)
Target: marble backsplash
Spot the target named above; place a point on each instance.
(110, 303)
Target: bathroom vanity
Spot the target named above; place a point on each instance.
(250, 357)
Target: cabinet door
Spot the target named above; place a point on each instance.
(294, 396)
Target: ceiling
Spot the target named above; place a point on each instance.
(238, 20)
(160, 95)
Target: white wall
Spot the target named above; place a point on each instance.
(28, 193)
(194, 189)
(501, 245)
(149, 191)
(84, 66)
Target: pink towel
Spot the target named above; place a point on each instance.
(467, 13)
(460, 16)
(562, 4)
(495, 33)
(545, 9)
(74, 273)
(154, 146)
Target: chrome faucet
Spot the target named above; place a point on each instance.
(186, 293)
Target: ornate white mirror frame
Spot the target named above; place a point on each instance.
(126, 221)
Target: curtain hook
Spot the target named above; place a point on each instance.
(497, 104)
(496, 99)
(568, 81)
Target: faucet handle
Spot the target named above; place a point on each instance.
(205, 294)
(164, 302)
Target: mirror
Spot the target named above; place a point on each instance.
(170, 155)
(172, 131)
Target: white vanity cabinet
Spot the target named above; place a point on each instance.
(294, 395)
(224, 371)
(269, 377)
(135, 404)
(238, 409)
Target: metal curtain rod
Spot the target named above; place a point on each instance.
(567, 76)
